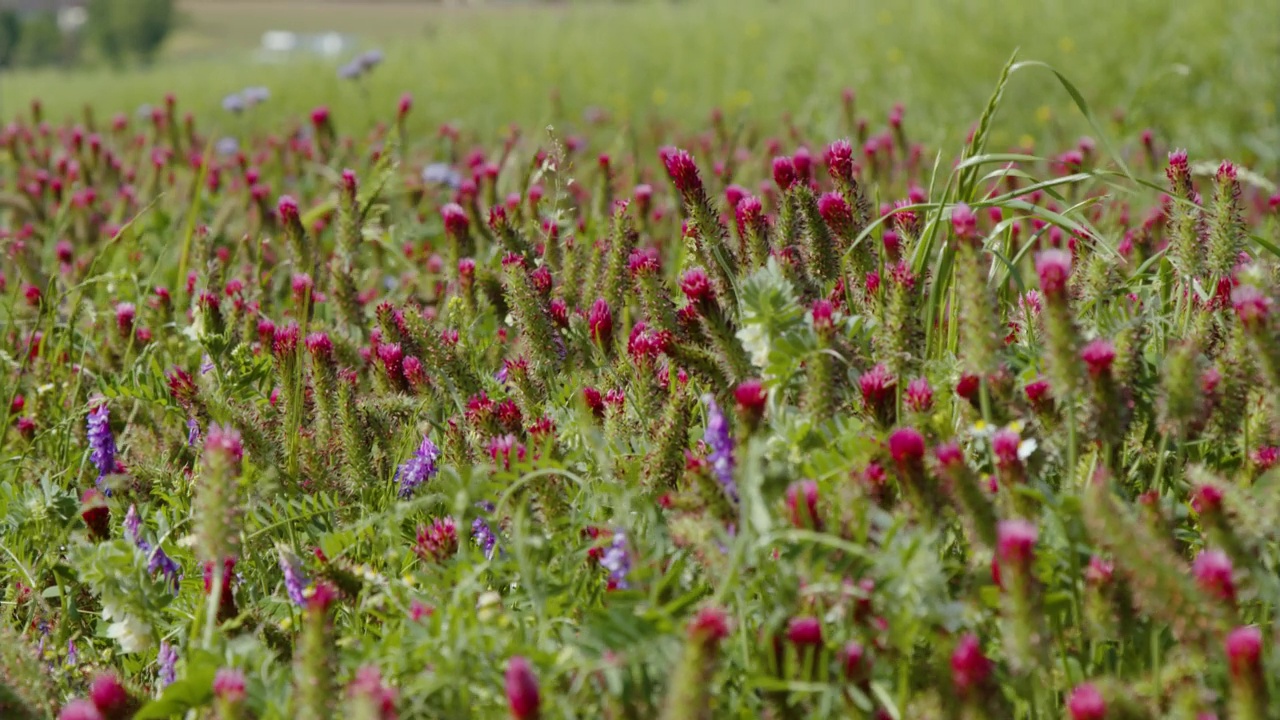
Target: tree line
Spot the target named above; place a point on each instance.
(117, 32)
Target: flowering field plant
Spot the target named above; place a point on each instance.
(677, 422)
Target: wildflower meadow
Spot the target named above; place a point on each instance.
(328, 411)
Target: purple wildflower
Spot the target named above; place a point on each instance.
(163, 564)
(73, 657)
(101, 442)
(617, 561)
(206, 365)
(483, 536)
(168, 659)
(132, 524)
(419, 468)
(719, 439)
(193, 432)
(294, 582)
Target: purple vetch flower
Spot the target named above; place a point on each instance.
(501, 375)
(441, 174)
(617, 561)
(294, 582)
(234, 103)
(419, 468)
(483, 536)
(161, 563)
(132, 524)
(255, 95)
(101, 442)
(227, 146)
(369, 59)
(206, 365)
(193, 432)
(168, 659)
(73, 657)
(720, 439)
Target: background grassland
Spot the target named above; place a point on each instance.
(1204, 73)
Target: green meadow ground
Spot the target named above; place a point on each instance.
(1203, 72)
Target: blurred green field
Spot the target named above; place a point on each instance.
(1201, 73)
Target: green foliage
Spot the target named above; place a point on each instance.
(130, 29)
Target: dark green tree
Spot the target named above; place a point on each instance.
(10, 36)
(130, 29)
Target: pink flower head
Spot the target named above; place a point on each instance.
(696, 286)
(749, 214)
(804, 632)
(876, 385)
(1037, 392)
(522, 689)
(287, 208)
(919, 395)
(80, 710)
(600, 322)
(853, 661)
(784, 172)
(1099, 572)
(1004, 445)
(964, 222)
(1016, 541)
(1251, 305)
(802, 502)
(750, 396)
(125, 314)
(1179, 169)
(803, 163)
(949, 456)
(1244, 650)
(709, 626)
(1264, 458)
(228, 685)
(644, 261)
(1054, 268)
(734, 194)
(455, 219)
(1213, 573)
(320, 116)
(836, 213)
(682, 170)
(319, 345)
(110, 696)
(823, 312)
(840, 162)
(967, 387)
(1206, 499)
(969, 667)
(223, 442)
(1098, 357)
(1086, 703)
(906, 446)
(368, 684)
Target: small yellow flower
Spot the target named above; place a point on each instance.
(659, 96)
(1044, 114)
(741, 99)
(1067, 45)
(1026, 142)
